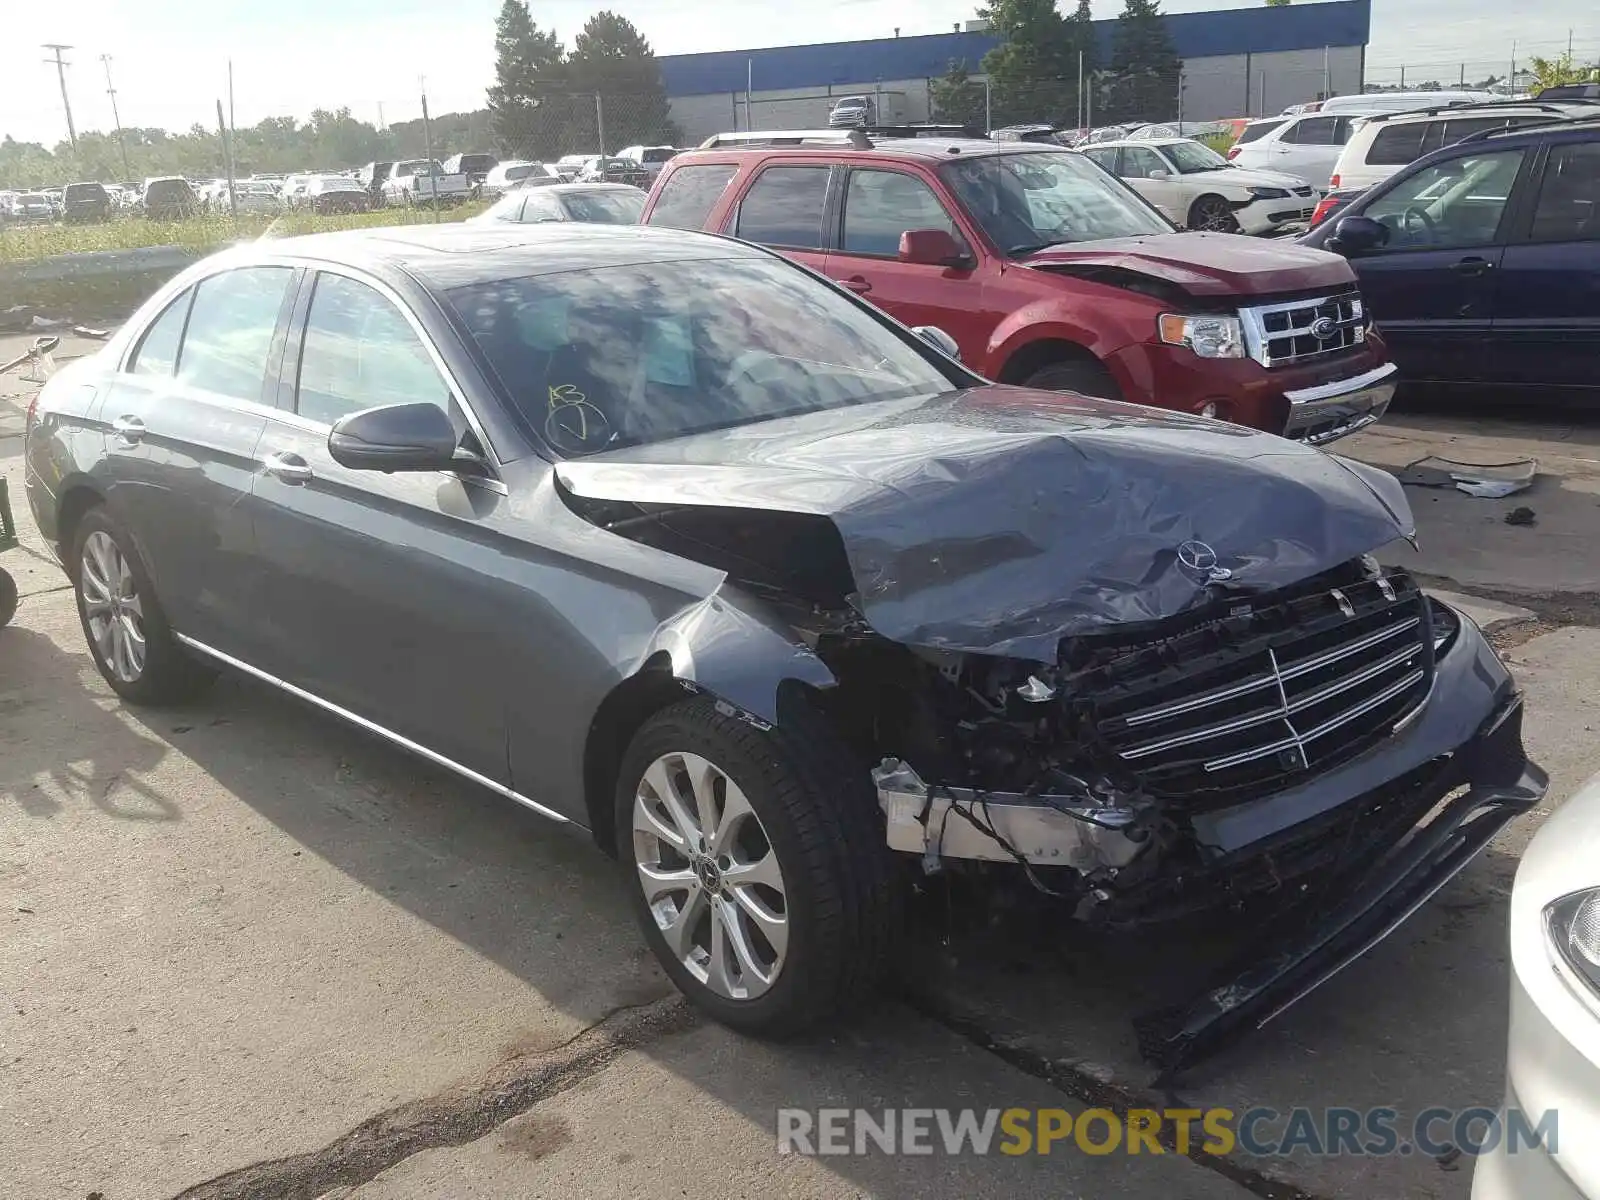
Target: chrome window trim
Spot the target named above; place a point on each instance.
(405, 743)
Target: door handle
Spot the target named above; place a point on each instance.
(289, 467)
(129, 429)
(1473, 267)
(857, 284)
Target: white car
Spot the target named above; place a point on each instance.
(1307, 145)
(1381, 144)
(1199, 189)
(517, 173)
(650, 158)
(414, 180)
(250, 196)
(1553, 1046)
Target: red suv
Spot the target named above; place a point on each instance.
(1050, 272)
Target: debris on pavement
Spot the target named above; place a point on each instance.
(1490, 481)
(1521, 516)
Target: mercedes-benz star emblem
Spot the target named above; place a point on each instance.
(1324, 329)
(1200, 559)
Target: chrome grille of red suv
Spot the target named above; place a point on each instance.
(1276, 335)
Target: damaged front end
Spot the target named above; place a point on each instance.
(1053, 674)
(1321, 761)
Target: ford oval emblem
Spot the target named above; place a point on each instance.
(1324, 329)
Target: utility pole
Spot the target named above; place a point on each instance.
(116, 119)
(61, 75)
(381, 125)
(427, 145)
(600, 129)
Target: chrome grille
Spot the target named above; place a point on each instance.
(1294, 688)
(1279, 334)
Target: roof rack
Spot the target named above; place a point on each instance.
(857, 137)
(1562, 119)
(1553, 106)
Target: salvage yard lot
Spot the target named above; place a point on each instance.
(236, 931)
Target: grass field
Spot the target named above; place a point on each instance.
(26, 243)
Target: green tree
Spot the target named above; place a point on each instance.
(958, 99)
(1033, 72)
(1553, 72)
(1277, 3)
(612, 59)
(527, 77)
(1082, 45)
(1145, 67)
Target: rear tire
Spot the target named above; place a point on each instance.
(122, 620)
(795, 873)
(8, 597)
(1086, 376)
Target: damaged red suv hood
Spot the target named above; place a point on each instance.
(1208, 264)
(999, 519)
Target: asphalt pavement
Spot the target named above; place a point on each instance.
(246, 951)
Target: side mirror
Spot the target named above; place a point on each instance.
(932, 247)
(939, 340)
(1353, 235)
(396, 437)
(1158, 174)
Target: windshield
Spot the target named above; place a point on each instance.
(659, 154)
(625, 355)
(1191, 157)
(1028, 201)
(605, 208)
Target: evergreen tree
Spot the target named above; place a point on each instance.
(1081, 38)
(958, 99)
(527, 74)
(1033, 72)
(1146, 67)
(612, 59)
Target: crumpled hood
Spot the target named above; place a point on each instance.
(999, 519)
(1249, 177)
(1209, 264)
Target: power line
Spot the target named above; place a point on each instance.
(116, 119)
(61, 75)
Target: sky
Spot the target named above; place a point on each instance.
(169, 58)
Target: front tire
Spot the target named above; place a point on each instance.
(122, 620)
(1212, 214)
(1086, 376)
(757, 865)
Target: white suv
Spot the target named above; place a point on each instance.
(1307, 145)
(1380, 145)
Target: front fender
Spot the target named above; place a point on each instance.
(726, 647)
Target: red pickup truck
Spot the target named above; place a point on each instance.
(1048, 271)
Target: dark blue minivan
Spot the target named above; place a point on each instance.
(1481, 261)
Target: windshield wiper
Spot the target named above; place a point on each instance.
(1028, 248)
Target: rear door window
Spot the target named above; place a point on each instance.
(1397, 145)
(784, 207)
(230, 330)
(689, 194)
(1313, 131)
(1569, 197)
(157, 352)
(1255, 131)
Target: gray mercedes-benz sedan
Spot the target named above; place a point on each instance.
(657, 533)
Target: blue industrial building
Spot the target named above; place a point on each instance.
(1237, 62)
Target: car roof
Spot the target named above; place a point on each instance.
(923, 149)
(457, 254)
(1556, 109)
(1160, 141)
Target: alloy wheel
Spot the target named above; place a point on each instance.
(112, 607)
(1214, 216)
(710, 876)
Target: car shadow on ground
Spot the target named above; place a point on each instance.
(1406, 1026)
(65, 745)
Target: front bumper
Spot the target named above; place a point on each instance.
(1310, 947)
(1329, 411)
(1269, 216)
(1249, 394)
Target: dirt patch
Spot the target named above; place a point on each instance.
(536, 1136)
